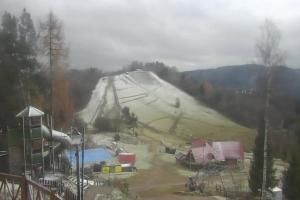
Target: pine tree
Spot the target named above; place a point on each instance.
(17, 58)
(292, 179)
(9, 70)
(256, 169)
(292, 175)
(27, 45)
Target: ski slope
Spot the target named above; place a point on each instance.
(154, 101)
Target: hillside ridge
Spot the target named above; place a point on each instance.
(159, 105)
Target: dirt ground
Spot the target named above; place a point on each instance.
(158, 176)
(162, 181)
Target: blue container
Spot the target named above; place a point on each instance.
(91, 156)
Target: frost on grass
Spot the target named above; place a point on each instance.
(158, 105)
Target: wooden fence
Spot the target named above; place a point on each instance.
(13, 187)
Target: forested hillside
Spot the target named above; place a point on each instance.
(25, 77)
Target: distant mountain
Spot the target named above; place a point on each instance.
(233, 77)
(245, 77)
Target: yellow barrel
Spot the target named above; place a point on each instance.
(105, 169)
(118, 169)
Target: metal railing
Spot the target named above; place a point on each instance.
(13, 187)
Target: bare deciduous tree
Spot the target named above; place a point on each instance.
(268, 50)
(268, 45)
(53, 46)
(53, 42)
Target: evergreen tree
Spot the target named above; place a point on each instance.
(130, 118)
(256, 169)
(9, 70)
(17, 60)
(292, 176)
(292, 179)
(27, 32)
(27, 45)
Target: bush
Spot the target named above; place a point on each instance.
(117, 137)
(105, 124)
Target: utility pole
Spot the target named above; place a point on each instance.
(42, 138)
(82, 163)
(24, 143)
(52, 147)
(51, 92)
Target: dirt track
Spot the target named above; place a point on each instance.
(162, 181)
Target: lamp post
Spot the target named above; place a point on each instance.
(77, 142)
(24, 144)
(77, 171)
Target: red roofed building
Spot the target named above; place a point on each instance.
(229, 151)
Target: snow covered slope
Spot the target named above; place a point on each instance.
(158, 104)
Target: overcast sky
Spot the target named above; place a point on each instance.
(188, 34)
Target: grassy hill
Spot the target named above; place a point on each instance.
(161, 107)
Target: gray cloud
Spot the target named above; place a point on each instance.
(188, 34)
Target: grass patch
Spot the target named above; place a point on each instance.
(187, 129)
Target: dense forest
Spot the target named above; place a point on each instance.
(25, 79)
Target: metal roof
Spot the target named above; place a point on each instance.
(30, 111)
